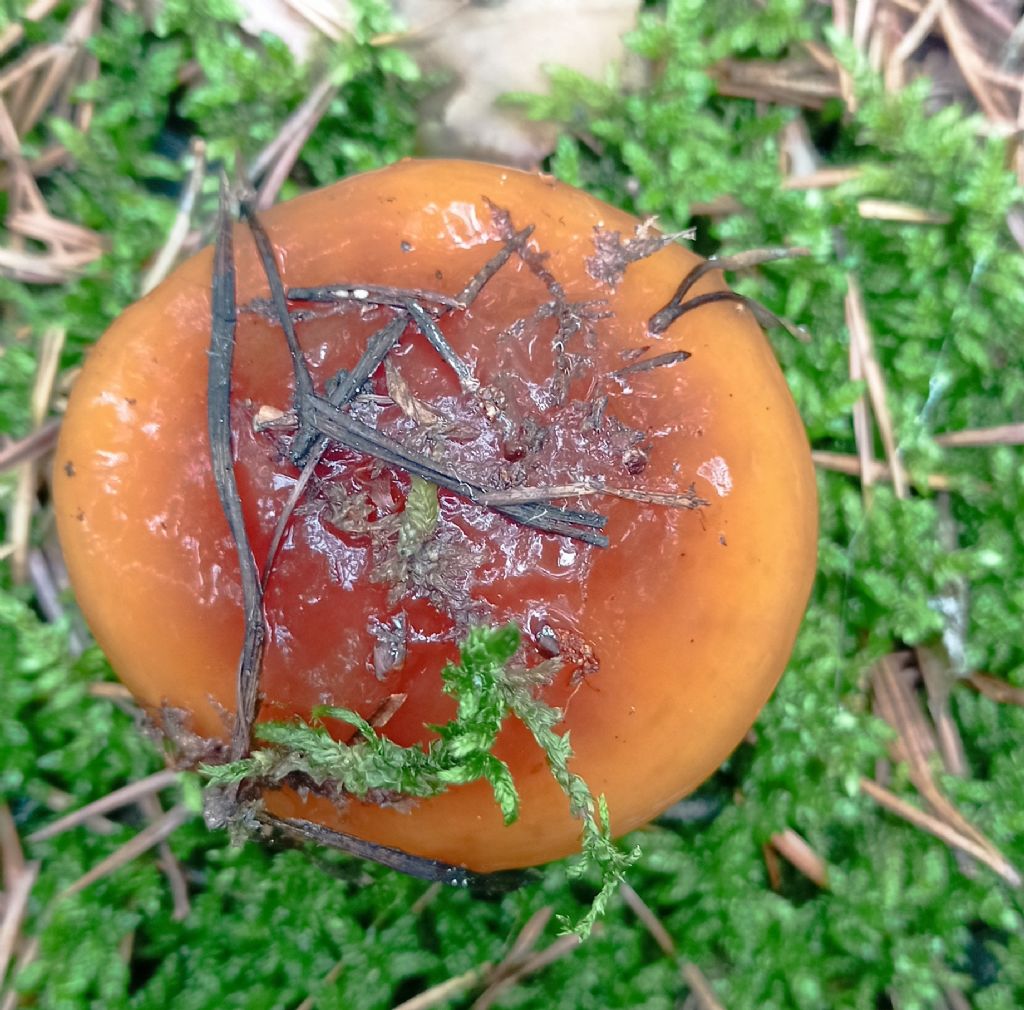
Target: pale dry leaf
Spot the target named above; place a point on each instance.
(493, 47)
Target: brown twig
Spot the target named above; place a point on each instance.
(449, 989)
(880, 471)
(14, 907)
(997, 690)
(330, 421)
(305, 437)
(501, 975)
(799, 853)
(915, 743)
(167, 861)
(648, 919)
(328, 980)
(341, 391)
(223, 324)
(123, 797)
(1003, 434)
(59, 802)
(300, 123)
(689, 972)
(32, 447)
(419, 867)
(300, 126)
(990, 100)
(700, 987)
(12, 856)
(939, 680)
(555, 951)
(863, 351)
(678, 303)
(149, 837)
(926, 822)
(893, 210)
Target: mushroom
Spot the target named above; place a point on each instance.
(524, 365)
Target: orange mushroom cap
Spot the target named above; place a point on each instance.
(673, 635)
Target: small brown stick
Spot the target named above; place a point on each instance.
(179, 230)
(822, 178)
(373, 294)
(449, 989)
(555, 951)
(676, 306)
(939, 679)
(528, 935)
(300, 123)
(650, 921)
(168, 862)
(863, 17)
(867, 465)
(62, 57)
(926, 822)
(59, 802)
(773, 865)
(110, 690)
(700, 987)
(23, 67)
(685, 500)
(893, 210)
(15, 904)
(334, 423)
(842, 24)
(12, 857)
(880, 471)
(1003, 434)
(48, 596)
(896, 702)
(425, 899)
(427, 325)
(33, 446)
(304, 438)
(149, 837)
(499, 978)
(328, 980)
(299, 126)
(791, 82)
(997, 690)
(690, 973)
(223, 324)
(798, 851)
(969, 62)
(29, 952)
(396, 859)
(123, 797)
(862, 344)
(649, 364)
(341, 391)
(955, 1000)
(386, 710)
(914, 36)
(493, 265)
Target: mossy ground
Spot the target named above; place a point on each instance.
(900, 923)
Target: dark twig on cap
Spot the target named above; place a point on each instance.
(677, 306)
(413, 866)
(302, 444)
(224, 321)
